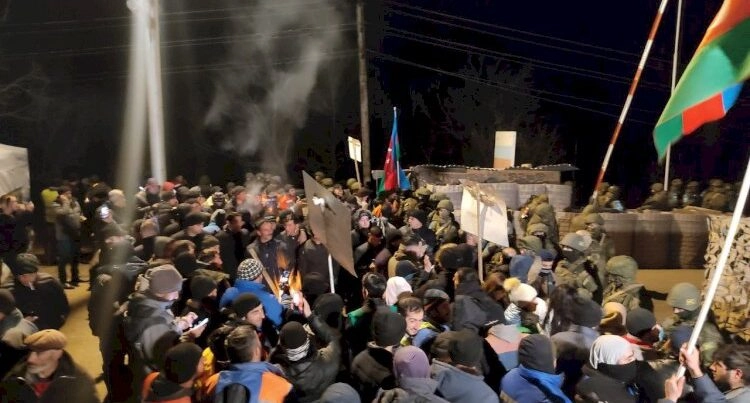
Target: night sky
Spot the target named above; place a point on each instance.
(557, 72)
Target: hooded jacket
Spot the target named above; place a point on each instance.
(473, 308)
(314, 373)
(410, 390)
(263, 380)
(458, 386)
(271, 305)
(523, 385)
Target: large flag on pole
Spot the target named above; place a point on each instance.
(394, 177)
(713, 78)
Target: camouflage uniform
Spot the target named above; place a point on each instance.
(621, 286)
(658, 199)
(446, 231)
(692, 194)
(687, 297)
(545, 213)
(675, 193)
(574, 273)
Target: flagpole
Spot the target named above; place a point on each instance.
(398, 160)
(629, 99)
(723, 257)
(675, 63)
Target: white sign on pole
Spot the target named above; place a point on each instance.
(492, 208)
(355, 149)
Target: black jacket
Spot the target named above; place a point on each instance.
(473, 308)
(232, 249)
(47, 301)
(314, 373)
(69, 383)
(373, 369)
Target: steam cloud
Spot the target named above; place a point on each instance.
(259, 108)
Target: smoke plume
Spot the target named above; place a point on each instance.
(284, 48)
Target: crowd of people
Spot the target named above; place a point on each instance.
(223, 294)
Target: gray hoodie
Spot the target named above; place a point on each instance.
(458, 386)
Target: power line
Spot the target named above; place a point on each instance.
(194, 68)
(496, 85)
(516, 30)
(317, 5)
(185, 42)
(514, 38)
(413, 36)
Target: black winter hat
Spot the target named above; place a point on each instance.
(201, 286)
(164, 279)
(181, 362)
(186, 263)
(328, 307)
(465, 348)
(536, 352)
(419, 215)
(7, 302)
(388, 328)
(639, 320)
(24, 263)
(245, 303)
(292, 335)
(194, 218)
(586, 312)
(314, 284)
(457, 256)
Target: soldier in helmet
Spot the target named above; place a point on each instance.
(579, 221)
(675, 193)
(658, 199)
(423, 199)
(545, 213)
(445, 226)
(540, 230)
(612, 201)
(685, 300)
(601, 194)
(602, 248)
(692, 195)
(319, 176)
(715, 198)
(621, 286)
(572, 269)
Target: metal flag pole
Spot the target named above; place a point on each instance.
(330, 274)
(629, 99)
(393, 150)
(723, 257)
(675, 65)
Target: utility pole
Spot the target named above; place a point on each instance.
(155, 99)
(364, 109)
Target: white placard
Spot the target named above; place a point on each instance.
(355, 149)
(495, 223)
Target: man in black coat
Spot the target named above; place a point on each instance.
(38, 296)
(233, 241)
(48, 374)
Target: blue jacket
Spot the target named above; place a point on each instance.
(263, 380)
(271, 305)
(526, 385)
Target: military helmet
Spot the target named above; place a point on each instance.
(593, 218)
(586, 237)
(614, 190)
(676, 183)
(623, 266)
(327, 182)
(423, 192)
(537, 227)
(350, 181)
(319, 175)
(684, 296)
(446, 204)
(657, 187)
(409, 204)
(574, 241)
(693, 186)
(530, 242)
(436, 197)
(355, 186)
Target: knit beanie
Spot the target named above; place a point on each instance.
(245, 303)
(201, 286)
(164, 279)
(586, 312)
(680, 335)
(388, 328)
(546, 255)
(419, 215)
(536, 352)
(451, 258)
(294, 339)
(520, 265)
(340, 392)
(186, 263)
(7, 302)
(434, 296)
(394, 287)
(465, 348)
(518, 291)
(249, 269)
(640, 320)
(410, 362)
(181, 362)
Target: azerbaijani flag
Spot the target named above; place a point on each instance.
(394, 176)
(713, 78)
